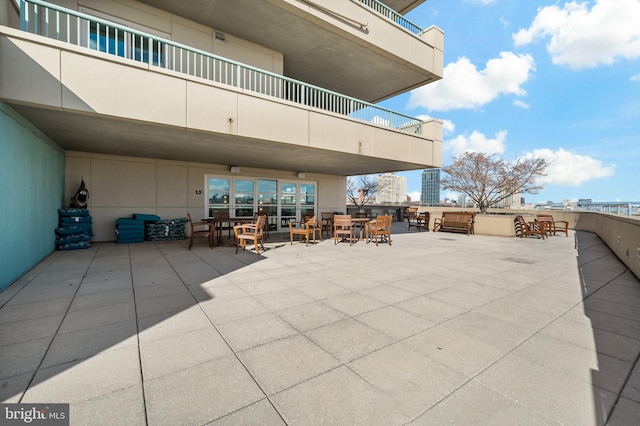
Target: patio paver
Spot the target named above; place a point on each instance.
(438, 328)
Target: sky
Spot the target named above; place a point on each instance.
(559, 79)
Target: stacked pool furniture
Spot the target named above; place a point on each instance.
(74, 229)
(141, 227)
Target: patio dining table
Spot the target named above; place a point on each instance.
(360, 222)
(218, 221)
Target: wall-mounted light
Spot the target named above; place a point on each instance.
(234, 169)
(219, 37)
(300, 175)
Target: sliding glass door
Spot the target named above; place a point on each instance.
(281, 201)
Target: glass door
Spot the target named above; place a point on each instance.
(268, 201)
(218, 190)
(244, 197)
(307, 199)
(288, 203)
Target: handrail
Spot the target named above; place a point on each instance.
(80, 29)
(392, 15)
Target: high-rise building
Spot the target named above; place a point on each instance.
(513, 201)
(391, 188)
(201, 106)
(430, 187)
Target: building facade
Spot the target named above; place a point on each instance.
(391, 188)
(430, 187)
(167, 107)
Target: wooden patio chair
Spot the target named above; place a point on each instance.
(223, 225)
(305, 228)
(379, 229)
(250, 232)
(327, 222)
(343, 228)
(411, 216)
(265, 225)
(200, 229)
(525, 229)
(553, 226)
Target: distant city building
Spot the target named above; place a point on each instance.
(391, 188)
(430, 187)
(513, 201)
(462, 200)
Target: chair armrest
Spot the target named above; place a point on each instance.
(245, 227)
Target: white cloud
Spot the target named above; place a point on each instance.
(583, 38)
(635, 77)
(481, 2)
(521, 104)
(476, 142)
(464, 86)
(415, 195)
(447, 125)
(504, 22)
(570, 169)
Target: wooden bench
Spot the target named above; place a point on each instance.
(455, 222)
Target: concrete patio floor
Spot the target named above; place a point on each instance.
(437, 329)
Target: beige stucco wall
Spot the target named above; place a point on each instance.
(121, 186)
(54, 75)
(9, 14)
(365, 27)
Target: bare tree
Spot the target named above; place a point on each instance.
(361, 190)
(488, 179)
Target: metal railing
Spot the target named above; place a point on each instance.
(392, 15)
(49, 20)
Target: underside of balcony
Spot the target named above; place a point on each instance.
(95, 102)
(343, 46)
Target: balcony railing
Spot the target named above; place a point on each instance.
(392, 15)
(84, 30)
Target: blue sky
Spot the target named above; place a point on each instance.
(553, 78)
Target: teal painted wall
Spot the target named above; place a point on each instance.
(31, 192)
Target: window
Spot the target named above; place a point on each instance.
(307, 199)
(268, 201)
(218, 193)
(244, 196)
(281, 201)
(125, 44)
(288, 202)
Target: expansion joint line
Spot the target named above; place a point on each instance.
(55, 333)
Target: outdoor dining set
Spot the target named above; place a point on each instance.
(254, 230)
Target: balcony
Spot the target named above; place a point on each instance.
(322, 39)
(93, 85)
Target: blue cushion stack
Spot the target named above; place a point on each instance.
(130, 230)
(74, 229)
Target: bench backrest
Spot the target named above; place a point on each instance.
(457, 217)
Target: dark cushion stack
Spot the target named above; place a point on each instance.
(74, 229)
(165, 230)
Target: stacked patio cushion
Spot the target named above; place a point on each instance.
(166, 230)
(130, 230)
(149, 227)
(74, 229)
